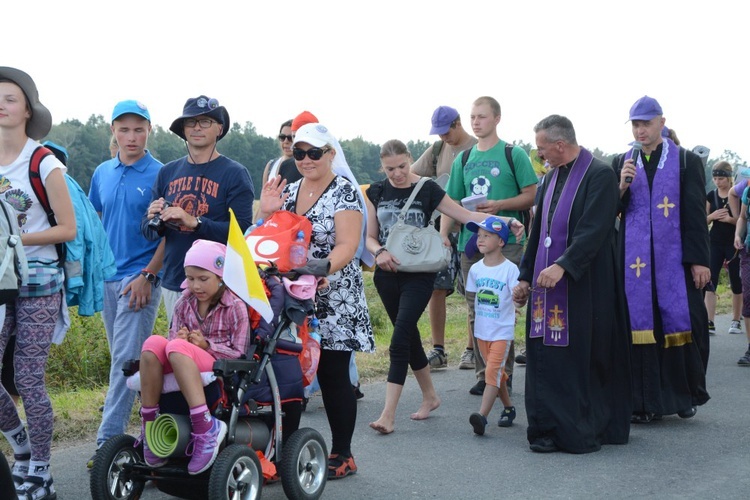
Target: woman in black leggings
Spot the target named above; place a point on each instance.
(723, 223)
(405, 295)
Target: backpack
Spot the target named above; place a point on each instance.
(13, 266)
(525, 214)
(88, 259)
(271, 241)
(436, 148)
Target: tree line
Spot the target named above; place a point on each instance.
(88, 146)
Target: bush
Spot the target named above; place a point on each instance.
(82, 360)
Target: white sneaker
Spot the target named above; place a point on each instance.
(467, 360)
(736, 327)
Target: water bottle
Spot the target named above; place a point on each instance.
(298, 251)
(310, 355)
(250, 229)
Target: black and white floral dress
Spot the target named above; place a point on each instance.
(341, 308)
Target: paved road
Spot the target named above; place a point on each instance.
(704, 457)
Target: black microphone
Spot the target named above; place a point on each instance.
(636, 149)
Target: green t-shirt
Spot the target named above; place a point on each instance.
(488, 173)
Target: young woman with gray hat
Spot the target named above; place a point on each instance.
(23, 121)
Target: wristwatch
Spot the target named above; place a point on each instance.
(198, 221)
(150, 277)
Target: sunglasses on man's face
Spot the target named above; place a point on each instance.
(312, 153)
(283, 138)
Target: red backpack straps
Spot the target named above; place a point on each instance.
(35, 178)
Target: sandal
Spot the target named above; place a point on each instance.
(340, 466)
(36, 488)
(20, 470)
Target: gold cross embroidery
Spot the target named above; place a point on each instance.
(556, 311)
(638, 266)
(666, 206)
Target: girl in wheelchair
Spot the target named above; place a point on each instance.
(209, 323)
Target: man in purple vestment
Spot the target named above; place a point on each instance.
(578, 392)
(665, 256)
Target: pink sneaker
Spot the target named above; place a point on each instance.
(203, 448)
(148, 457)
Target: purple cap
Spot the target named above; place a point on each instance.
(645, 108)
(442, 119)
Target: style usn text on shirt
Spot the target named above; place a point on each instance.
(192, 183)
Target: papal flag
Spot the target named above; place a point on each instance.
(240, 273)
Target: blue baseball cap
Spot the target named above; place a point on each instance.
(130, 107)
(645, 108)
(442, 119)
(493, 224)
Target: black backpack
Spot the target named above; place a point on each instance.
(525, 214)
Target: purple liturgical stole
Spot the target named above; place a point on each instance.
(655, 213)
(550, 306)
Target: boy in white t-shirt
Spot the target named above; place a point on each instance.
(492, 280)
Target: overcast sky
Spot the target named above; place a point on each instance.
(378, 69)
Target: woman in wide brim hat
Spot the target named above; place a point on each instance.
(34, 314)
(40, 122)
(202, 106)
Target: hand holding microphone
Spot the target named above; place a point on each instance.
(637, 147)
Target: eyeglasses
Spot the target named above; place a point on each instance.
(283, 138)
(312, 153)
(203, 122)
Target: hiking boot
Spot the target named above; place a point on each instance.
(203, 448)
(521, 358)
(478, 388)
(745, 360)
(437, 359)
(712, 328)
(478, 423)
(37, 488)
(507, 417)
(467, 360)
(735, 327)
(340, 466)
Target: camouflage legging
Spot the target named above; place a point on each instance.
(34, 318)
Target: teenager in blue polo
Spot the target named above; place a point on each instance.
(121, 192)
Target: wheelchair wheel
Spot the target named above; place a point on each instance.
(107, 481)
(236, 474)
(304, 465)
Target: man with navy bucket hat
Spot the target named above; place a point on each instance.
(192, 195)
(121, 192)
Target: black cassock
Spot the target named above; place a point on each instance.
(580, 395)
(670, 380)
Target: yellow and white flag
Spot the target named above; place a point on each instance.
(240, 273)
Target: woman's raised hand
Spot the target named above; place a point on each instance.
(271, 198)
